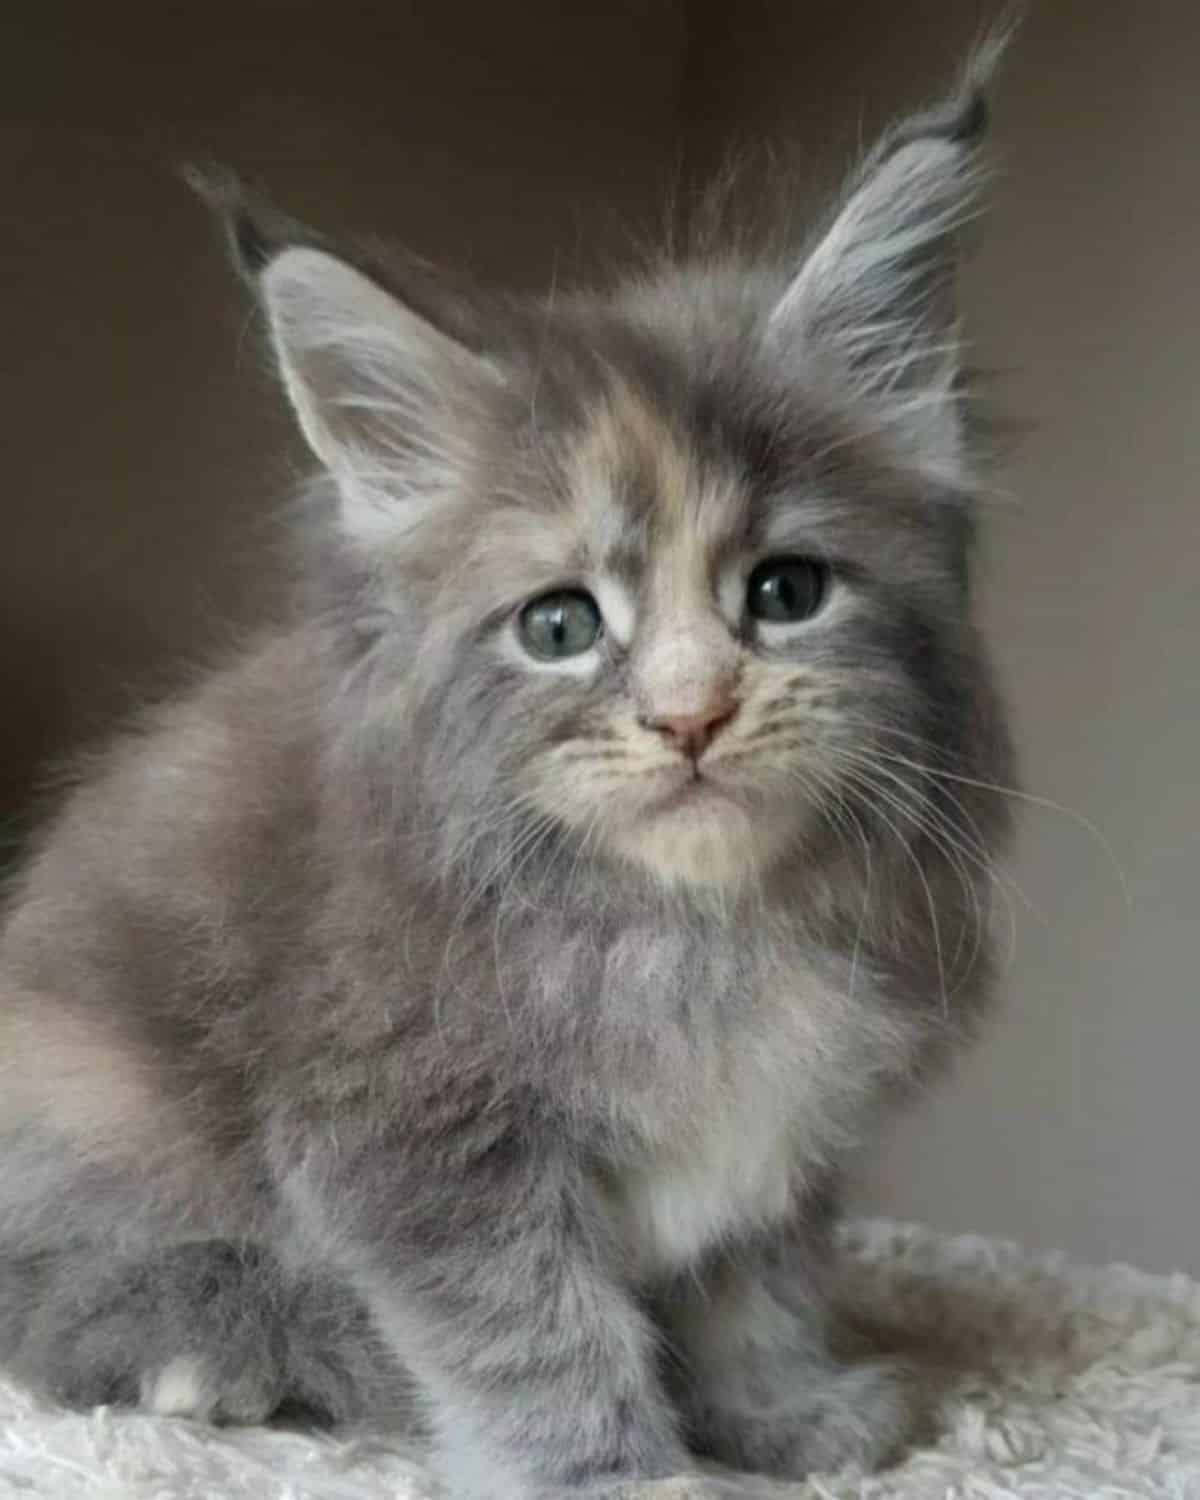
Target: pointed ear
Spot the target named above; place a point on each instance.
(380, 389)
(873, 304)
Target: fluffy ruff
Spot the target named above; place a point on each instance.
(1051, 1381)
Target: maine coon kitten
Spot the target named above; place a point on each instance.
(465, 1003)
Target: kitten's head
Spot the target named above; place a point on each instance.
(663, 572)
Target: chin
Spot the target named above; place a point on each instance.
(705, 840)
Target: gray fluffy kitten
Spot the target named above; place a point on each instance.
(461, 1009)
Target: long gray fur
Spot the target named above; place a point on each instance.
(370, 1040)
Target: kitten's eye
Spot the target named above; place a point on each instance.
(565, 623)
(783, 590)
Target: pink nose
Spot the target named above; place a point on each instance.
(693, 733)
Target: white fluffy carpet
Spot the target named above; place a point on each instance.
(1053, 1382)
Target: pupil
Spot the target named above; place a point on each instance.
(786, 589)
(560, 624)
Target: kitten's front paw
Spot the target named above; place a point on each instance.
(190, 1386)
(189, 1331)
(866, 1416)
(861, 1414)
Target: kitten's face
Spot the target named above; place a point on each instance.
(678, 573)
(684, 619)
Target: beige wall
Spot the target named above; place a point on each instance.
(143, 450)
(1079, 1125)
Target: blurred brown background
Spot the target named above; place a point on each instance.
(145, 448)
(145, 451)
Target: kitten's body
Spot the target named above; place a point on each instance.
(418, 967)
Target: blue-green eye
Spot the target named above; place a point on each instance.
(784, 590)
(565, 623)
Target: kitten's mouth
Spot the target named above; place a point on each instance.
(689, 788)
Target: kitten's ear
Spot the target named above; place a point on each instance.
(379, 381)
(873, 304)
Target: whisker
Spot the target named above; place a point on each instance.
(870, 786)
(835, 806)
(1031, 799)
(924, 817)
(968, 840)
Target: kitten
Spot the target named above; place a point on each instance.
(461, 1009)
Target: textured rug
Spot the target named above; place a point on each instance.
(1052, 1382)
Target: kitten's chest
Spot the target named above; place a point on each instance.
(729, 1124)
(734, 1164)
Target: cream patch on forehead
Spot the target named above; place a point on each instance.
(637, 482)
(535, 547)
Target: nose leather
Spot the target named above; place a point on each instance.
(693, 733)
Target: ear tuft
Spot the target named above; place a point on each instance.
(252, 248)
(381, 370)
(872, 306)
(965, 116)
(962, 119)
(255, 232)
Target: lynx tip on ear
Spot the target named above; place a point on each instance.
(254, 231)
